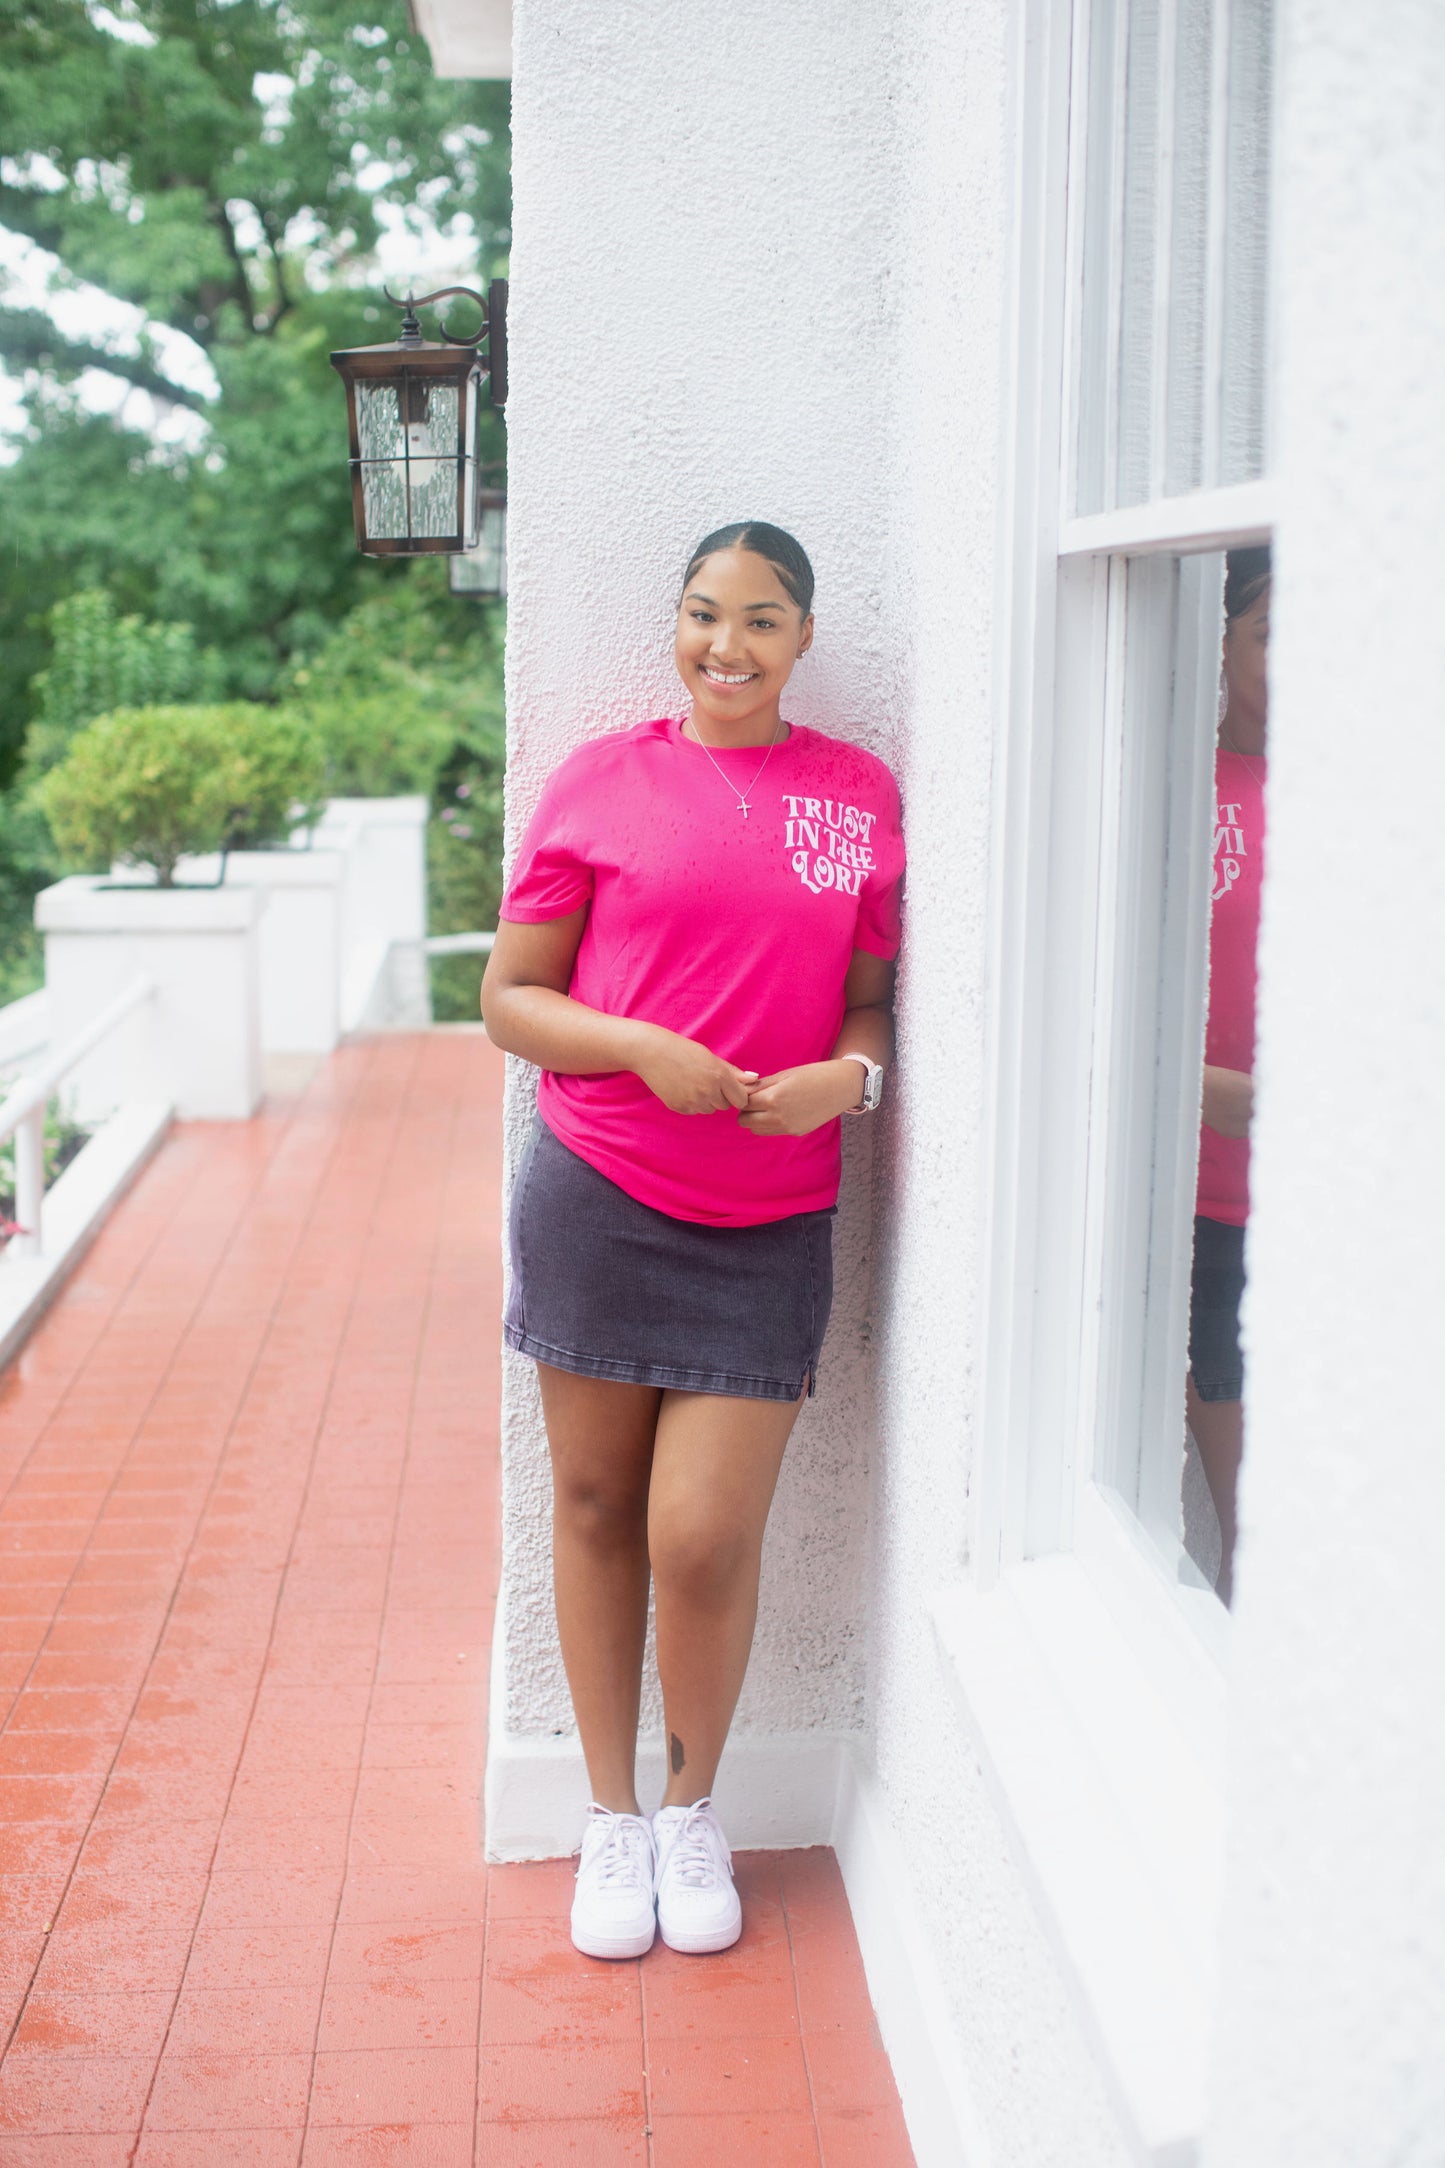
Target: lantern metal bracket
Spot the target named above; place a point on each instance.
(493, 327)
(411, 329)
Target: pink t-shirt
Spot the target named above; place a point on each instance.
(1239, 781)
(735, 931)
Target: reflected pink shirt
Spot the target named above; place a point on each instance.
(1239, 782)
(737, 932)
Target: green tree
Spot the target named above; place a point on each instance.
(27, 863)
(227, 168)
(406, 695)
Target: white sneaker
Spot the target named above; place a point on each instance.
(613, 1914)
(697, 1906)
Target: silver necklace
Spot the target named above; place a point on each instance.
(702, 741)
(1249, 759)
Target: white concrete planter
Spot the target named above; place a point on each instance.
(301, 940)
(197, 1045)
(383, 908)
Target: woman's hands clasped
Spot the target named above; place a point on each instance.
(797, 1100)
(690, 1079)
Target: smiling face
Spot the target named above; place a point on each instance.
(738, 637)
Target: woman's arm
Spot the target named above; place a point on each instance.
(797, 1100)
(528, 1011)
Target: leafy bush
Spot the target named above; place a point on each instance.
(406, 695)
(27, 864)
(376, 745)
(149, 786)
(100, 661)
(464, 877)
(63, 1138)
(278, 775)
(408, 683)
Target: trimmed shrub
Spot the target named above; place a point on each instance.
(149, 786)
(278, 776)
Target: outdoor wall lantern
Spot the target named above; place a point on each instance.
(414, 406)
(482, 571)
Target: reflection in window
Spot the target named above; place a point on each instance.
(1191, 705)
(1215, 1385)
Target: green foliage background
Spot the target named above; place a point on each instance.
(228, 167)
(149, 786)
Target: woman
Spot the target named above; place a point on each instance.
(696, 949)
(1215, 1386)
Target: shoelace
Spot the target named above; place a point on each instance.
(619, 1863)
(691, 1855)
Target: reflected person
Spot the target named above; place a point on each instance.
(1215, 1387)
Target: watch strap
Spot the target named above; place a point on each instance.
(872, 1082)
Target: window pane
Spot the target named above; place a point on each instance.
(1246, 246)
(1166, 705)
(1173, 235)
(378, 421)
(409, 469)
(433, 485)
(1186, 708)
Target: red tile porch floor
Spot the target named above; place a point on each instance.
(248, 1548)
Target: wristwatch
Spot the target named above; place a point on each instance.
(872, 1083)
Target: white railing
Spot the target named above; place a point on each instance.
(459, 944)
(24, 1032)
(22, 1113)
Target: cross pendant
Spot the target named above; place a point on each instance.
(743, 807)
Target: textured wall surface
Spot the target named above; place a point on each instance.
(698, 326)
(1332, 2024)
(761, 266)
(1033, 2080)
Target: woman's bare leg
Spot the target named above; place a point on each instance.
(714, 1469)
(601, 1440)
(1218, 1427)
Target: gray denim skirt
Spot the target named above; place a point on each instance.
(608, 1288)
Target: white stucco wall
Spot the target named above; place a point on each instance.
(1036, 2095)
(1332, 2017)
(761, 266)
(699, 329)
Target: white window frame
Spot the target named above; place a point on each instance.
(1059, 947)
(1090, 1678)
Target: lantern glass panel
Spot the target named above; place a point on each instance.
(383, 463)
(433, 496)
(408, 439)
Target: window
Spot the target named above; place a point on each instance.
(1169, 165)
(1146, 388)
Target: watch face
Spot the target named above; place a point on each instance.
(873, 1089)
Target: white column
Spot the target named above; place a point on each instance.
(723, 356)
